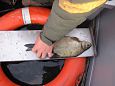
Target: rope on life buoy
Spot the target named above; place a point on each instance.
(73, 68)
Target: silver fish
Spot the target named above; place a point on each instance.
(70, 46)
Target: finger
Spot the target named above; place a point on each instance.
(39, 53)
(44, 54)
(50, 54)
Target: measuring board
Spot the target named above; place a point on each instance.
(12, 44)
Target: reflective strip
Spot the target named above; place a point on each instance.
(26, 15)
(80, 7)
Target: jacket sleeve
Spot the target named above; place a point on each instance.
(66, 16)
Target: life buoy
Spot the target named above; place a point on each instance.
(73, 68)
(4, 81)
(71, 73)
(20, 17)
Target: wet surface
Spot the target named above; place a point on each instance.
(33, 73)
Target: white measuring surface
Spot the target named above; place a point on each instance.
(12, 44)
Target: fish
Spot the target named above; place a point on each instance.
(67, 47)
(70, 46)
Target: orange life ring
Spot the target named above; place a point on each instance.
(14, 19)
(73, 67)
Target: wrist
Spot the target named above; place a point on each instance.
(45, 39)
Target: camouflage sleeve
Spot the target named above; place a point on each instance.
(65, 17)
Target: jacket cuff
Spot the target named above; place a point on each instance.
(45, 39)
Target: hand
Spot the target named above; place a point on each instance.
(42, 49)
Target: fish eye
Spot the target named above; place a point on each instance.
(88, 45)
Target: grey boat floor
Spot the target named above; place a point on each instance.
(104, 64)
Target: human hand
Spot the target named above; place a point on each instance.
(42, 49)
